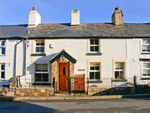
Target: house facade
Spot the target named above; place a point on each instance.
(107, 54)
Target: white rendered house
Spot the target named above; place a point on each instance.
(108, 54)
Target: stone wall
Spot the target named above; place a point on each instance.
(110, 90)
(34, 92)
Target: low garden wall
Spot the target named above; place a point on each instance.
(110, 90)
(34, 92)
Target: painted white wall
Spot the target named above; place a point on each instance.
(8, 59)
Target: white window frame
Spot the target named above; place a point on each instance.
(95, 71)
(42, 72)
(2, 71)
(89, 45)
(146, 69)
(144, 45)
(2, 47)
(119, 70)
(39, 46)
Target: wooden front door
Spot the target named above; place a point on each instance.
(63, 75)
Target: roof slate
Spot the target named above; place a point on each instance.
(13, 31)
(91, 29)
(82, 30)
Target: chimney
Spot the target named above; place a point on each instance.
(75, 17)
(34, 18)
(117, 17)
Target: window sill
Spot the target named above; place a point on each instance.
(2, 79)
(148, 78)
(2, 55)
(119, 80)
(145, 53)
(38, 54)
(93, 53)
(94, 81)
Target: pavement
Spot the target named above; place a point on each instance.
(72, 97)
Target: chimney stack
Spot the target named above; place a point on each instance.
(34, 18)
(75, 17)
(117, 17)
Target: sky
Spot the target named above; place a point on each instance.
(15, 12)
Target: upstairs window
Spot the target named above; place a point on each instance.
(39, 46)
(146, 45)
(2, 71)
(119, 70)
(2, 47)
(94, 71)
(94, 45)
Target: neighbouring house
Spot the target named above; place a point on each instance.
(85, 54)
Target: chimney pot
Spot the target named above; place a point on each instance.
(117, 8)
(34, 8)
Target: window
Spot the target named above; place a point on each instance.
(2, 71)
(39, 46)
(146, 69)
(94, 71)
(2, 47)
(94, 45)
(41, 73)
(119, 70)
(146, 45)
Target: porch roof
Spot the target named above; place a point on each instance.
(65, 54)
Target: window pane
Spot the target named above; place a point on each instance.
(91, 41)
(42, 43)
(97, 66)
(44, 67)
(3, 67)
(96, 48)
(96, 41)
(42, 49)
(121, 75)
(91, 66)
(91, 75)
(117, 65)
(116, 74)
(148, 48)
(144, 65)
(37, 44)
(37, 49)
(38, 77)
(3, 50)
(144, 41)
(121, 65)
(45, 77)
(38, 67)
(64, 71)
(148, 41)
(2, 74)
(97, 75)
(148, 72)
(144, 48)
(3, 43)
(144, 72)
(92, 48)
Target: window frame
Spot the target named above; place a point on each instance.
(2, 47)
(2, 71)
(89, 45)
(145, 68)
(39, 46)
(142, 44)
(47, 72)
(119, 70)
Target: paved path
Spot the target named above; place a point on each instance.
(78, 106)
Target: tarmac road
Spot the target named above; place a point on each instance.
(141, 105)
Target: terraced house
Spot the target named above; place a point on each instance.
(75, 55)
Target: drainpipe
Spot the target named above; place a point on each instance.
(15, 56)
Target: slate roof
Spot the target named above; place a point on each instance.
(91, 30)
(106, 30)
(13, 31)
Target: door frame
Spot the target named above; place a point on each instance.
(59, 62)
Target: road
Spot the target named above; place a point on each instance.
(78, 106)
